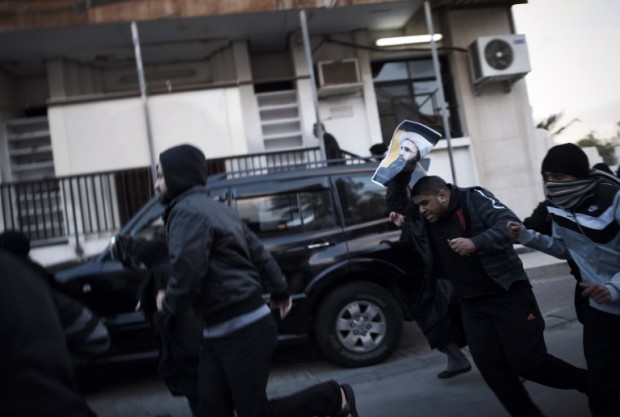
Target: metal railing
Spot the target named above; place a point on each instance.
(55, 210)
(72, 208)
(279, 161)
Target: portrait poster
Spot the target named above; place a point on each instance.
(411, 142)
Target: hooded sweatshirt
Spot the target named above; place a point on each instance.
(218, 264)
(184, 167)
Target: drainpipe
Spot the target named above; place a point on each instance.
(315, 96)
(440, 94)
(147, 119)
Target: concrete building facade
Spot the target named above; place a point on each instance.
(233, 78)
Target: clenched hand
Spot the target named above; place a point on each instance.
(462, 245)
(513, 230)
(597, 292)
(397, 218)
(283, 306)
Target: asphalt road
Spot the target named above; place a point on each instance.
(404, 385)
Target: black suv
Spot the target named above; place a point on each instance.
(329, 231)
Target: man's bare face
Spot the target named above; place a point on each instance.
(432, 206)
(408, 150)
(160, 184)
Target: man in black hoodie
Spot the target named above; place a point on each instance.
(219, 267)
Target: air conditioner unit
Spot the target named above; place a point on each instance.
(498, 58)
(339, 77)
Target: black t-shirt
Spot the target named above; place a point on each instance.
(466, 273)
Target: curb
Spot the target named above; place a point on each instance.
(546, 271)
(538, 266)
(282, 383)
(560, 317)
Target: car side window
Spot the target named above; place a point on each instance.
(153, 230)
(317, 210)
(289, 213)
(361, 199)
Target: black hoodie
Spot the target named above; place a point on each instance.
(218, 264)
(183, 167)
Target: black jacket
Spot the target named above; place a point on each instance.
(180, 338)
(85, 332)
(36, 374)
(218, 264)
(488, 219)
(434, 307)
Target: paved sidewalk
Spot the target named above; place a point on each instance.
(406, 384)
(417, 392)
(540, 265)
(283, 378)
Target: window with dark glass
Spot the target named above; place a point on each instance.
(408, 90)
(361, 199)
(155, 230)
(287, 213)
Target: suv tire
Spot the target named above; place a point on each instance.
(359, 324)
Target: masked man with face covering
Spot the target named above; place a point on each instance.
(585, 210)
(220, 268)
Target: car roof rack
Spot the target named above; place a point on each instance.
(276, 162)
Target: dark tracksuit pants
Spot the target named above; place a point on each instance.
(505, 337)
(601, 344)
(234, 370)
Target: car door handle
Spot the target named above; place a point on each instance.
(317, 245)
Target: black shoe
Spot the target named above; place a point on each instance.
(449, 374)
(349, 407)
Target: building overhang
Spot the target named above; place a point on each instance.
(98, 32)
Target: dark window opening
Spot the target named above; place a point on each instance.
(408, 89)
(273, 86)
(35, 112)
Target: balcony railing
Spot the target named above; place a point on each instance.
(73, 208)
(54, 210)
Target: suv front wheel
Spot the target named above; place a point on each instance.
(359, 324)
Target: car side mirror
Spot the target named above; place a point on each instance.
(112, 247)
(120, 249)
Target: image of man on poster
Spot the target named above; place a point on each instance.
(410, 142)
